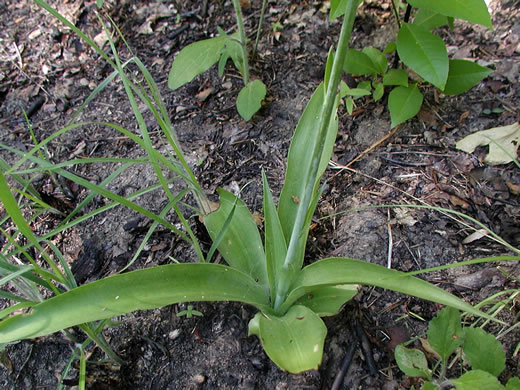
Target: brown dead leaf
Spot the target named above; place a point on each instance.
(456, 201)
(428, 348)
(245, 4)
(513, 188)
(204, 94)
(463, 117)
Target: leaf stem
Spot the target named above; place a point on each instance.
(243, 41)
(327, 111)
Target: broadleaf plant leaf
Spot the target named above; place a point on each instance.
(241, 244)
(404, 103)
(250, 98)
(412, 362)
(294, 341)
(378, 59)
(445, 332)
(429, 19)
(477, 380)
(137, 290)
(474, 11)
(423, 52)
(194, 59)
(340, 270)
(483, 351)
(357, 62)
(463, 75)
(396, 77)
(513, 384)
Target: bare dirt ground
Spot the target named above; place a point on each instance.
(41, 61)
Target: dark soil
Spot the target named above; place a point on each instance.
(45, 66)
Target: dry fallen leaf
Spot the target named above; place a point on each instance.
(503, 143)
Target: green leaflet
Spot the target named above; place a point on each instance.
(464, 75)
(339, 270)
(294, 341)
(412, 362)
(404, 103)
(474, 11)
(328, 300)
(483, 351)
(138, 290)
(445, 332)
(250, 98)
(359, 62)
(194, 59)
(424, 52)
(240, 245)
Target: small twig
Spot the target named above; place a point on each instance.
(259, 30)
(338, 381)
(365, 346)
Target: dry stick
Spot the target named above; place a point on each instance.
(374, 145)
(338, 381)
(365, 346)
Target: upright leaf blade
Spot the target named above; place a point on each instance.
(275, 243)
(358, 62)
(138, 290)
(194, 59)
(424, 52)
(474, 11)
(429, 19)
(299, 161)
(241, 245)
(294, 341)
(464, 75)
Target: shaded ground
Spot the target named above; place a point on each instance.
(42, 60)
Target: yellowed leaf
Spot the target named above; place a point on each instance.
(503, 143)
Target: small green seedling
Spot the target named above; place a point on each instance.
(480, 356)
(189, 312)
(422, 52)
(198, 57)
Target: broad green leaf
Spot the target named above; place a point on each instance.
(357, 62)
(328, 300)
(349, 104)
(366, 85)
(355, 92)
(233, 50)
(503, 143)
(483, 351)
(379, 91)
(429, 19)
(250, 98)
(477, 380)
(463, 75)
(194, 59)
(378, 59)
(429, 386)
(275, 243)
(412, 362)
(295, 341)
(424, 52)
(241, 245)
(299, 161)
(513, 384)
(390, 48)
(138, 290)
(474, 11)
(339, 270)
(404, 103)
(396, 77)
(445, 333)
(337, 8)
